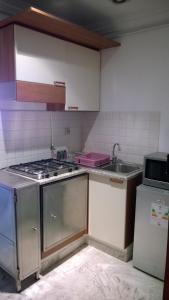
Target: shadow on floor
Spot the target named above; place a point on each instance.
(7, 283)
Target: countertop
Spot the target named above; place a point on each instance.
(82, 170)
(89, 170)
(111, 174)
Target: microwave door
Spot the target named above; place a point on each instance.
(157, 170)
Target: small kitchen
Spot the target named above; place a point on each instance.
(79, 116)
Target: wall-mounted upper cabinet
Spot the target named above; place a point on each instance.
(24, 72)
(37, 67)
(44, 59)
(55, 62)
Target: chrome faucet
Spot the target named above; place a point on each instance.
(114, 157)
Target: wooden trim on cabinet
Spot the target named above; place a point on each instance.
(50, 24)
(166, 279)
(130, 209)
(63, 244)
(7, 55)
(55, 107)
(40, 92)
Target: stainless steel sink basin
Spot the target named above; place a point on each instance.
(121, 168)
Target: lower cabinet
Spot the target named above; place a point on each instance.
(112, 209)
(19, 228)
(64, 212)
(28, 230)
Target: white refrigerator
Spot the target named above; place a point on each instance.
(151, 230)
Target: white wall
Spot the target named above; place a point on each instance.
(135, 77)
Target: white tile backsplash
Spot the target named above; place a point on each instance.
(26, 135)
(137, 133)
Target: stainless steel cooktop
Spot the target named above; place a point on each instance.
(44, 168)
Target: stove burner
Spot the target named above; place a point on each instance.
(44, 168)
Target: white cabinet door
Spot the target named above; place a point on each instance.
(39, 57)
(82, 78)
(107, 210)
(44, 59)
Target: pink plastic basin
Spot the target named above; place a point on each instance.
(92, 159)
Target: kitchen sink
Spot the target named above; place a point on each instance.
(121, 167)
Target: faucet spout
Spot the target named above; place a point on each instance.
(114, 156)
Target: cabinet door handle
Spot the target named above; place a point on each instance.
(59, 83)
(34, 228)
(53, 216)
(117, 180)
(73, 108)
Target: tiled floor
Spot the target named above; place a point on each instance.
(88, 275)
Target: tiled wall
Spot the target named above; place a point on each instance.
(26, 135)
(136, 132)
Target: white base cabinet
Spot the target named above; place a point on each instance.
(107, 210)
(112, 209)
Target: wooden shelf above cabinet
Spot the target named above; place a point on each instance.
(47, 23)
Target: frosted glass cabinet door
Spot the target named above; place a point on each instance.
(64, 210)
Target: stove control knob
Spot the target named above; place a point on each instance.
(70, 170)
(55, 174)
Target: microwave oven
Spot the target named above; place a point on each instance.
(156, 170)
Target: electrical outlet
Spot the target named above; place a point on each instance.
(67, 130)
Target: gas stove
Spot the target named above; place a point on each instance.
(44, 168)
